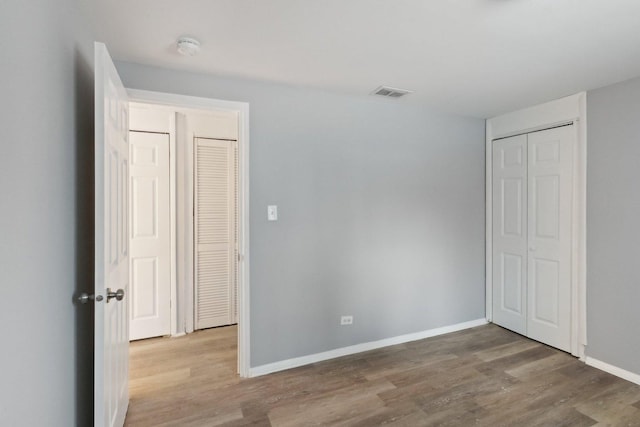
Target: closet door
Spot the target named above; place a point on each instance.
(215, 234)
(549, 236)
(510, 233)
(150, 237)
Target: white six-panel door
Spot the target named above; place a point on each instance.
(111, 346)
(549, 235)
(215, 222)
(532, 200)
(150, 271)
(510, 233)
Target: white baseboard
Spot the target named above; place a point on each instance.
(359, 348)
(179, 334)
(613, 370)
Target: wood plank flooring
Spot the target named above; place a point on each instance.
(485, 376)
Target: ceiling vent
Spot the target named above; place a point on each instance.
(390, 92)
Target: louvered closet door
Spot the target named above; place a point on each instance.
(215, 232)
(236, 222)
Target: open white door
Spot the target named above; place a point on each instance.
(111, 244)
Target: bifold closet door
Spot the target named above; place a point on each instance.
(215, 232)
(510, 233)
(532, 202)
(549, 236)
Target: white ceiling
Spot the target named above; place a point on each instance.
(472, 57)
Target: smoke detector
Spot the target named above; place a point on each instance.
(188, 46)
(390, 92)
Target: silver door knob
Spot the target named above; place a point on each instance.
(118, 295)
(84, 298)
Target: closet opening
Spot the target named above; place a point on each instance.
(532, 224)
(536, 222)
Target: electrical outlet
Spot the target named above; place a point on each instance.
(346, 320)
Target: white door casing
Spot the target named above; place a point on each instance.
(532, 211)
(550, 195)
(510, 233)
(111, 346)
(215, 232)
(150, 266)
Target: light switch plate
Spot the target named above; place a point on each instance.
(272, 213)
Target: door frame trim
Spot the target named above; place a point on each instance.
(242, 109)
(568, 110)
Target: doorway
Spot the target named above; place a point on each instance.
(207, 279)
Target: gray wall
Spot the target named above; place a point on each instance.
(613, 227)
(45, 219)
(381, 213)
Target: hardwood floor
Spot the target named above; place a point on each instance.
(485, 376)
